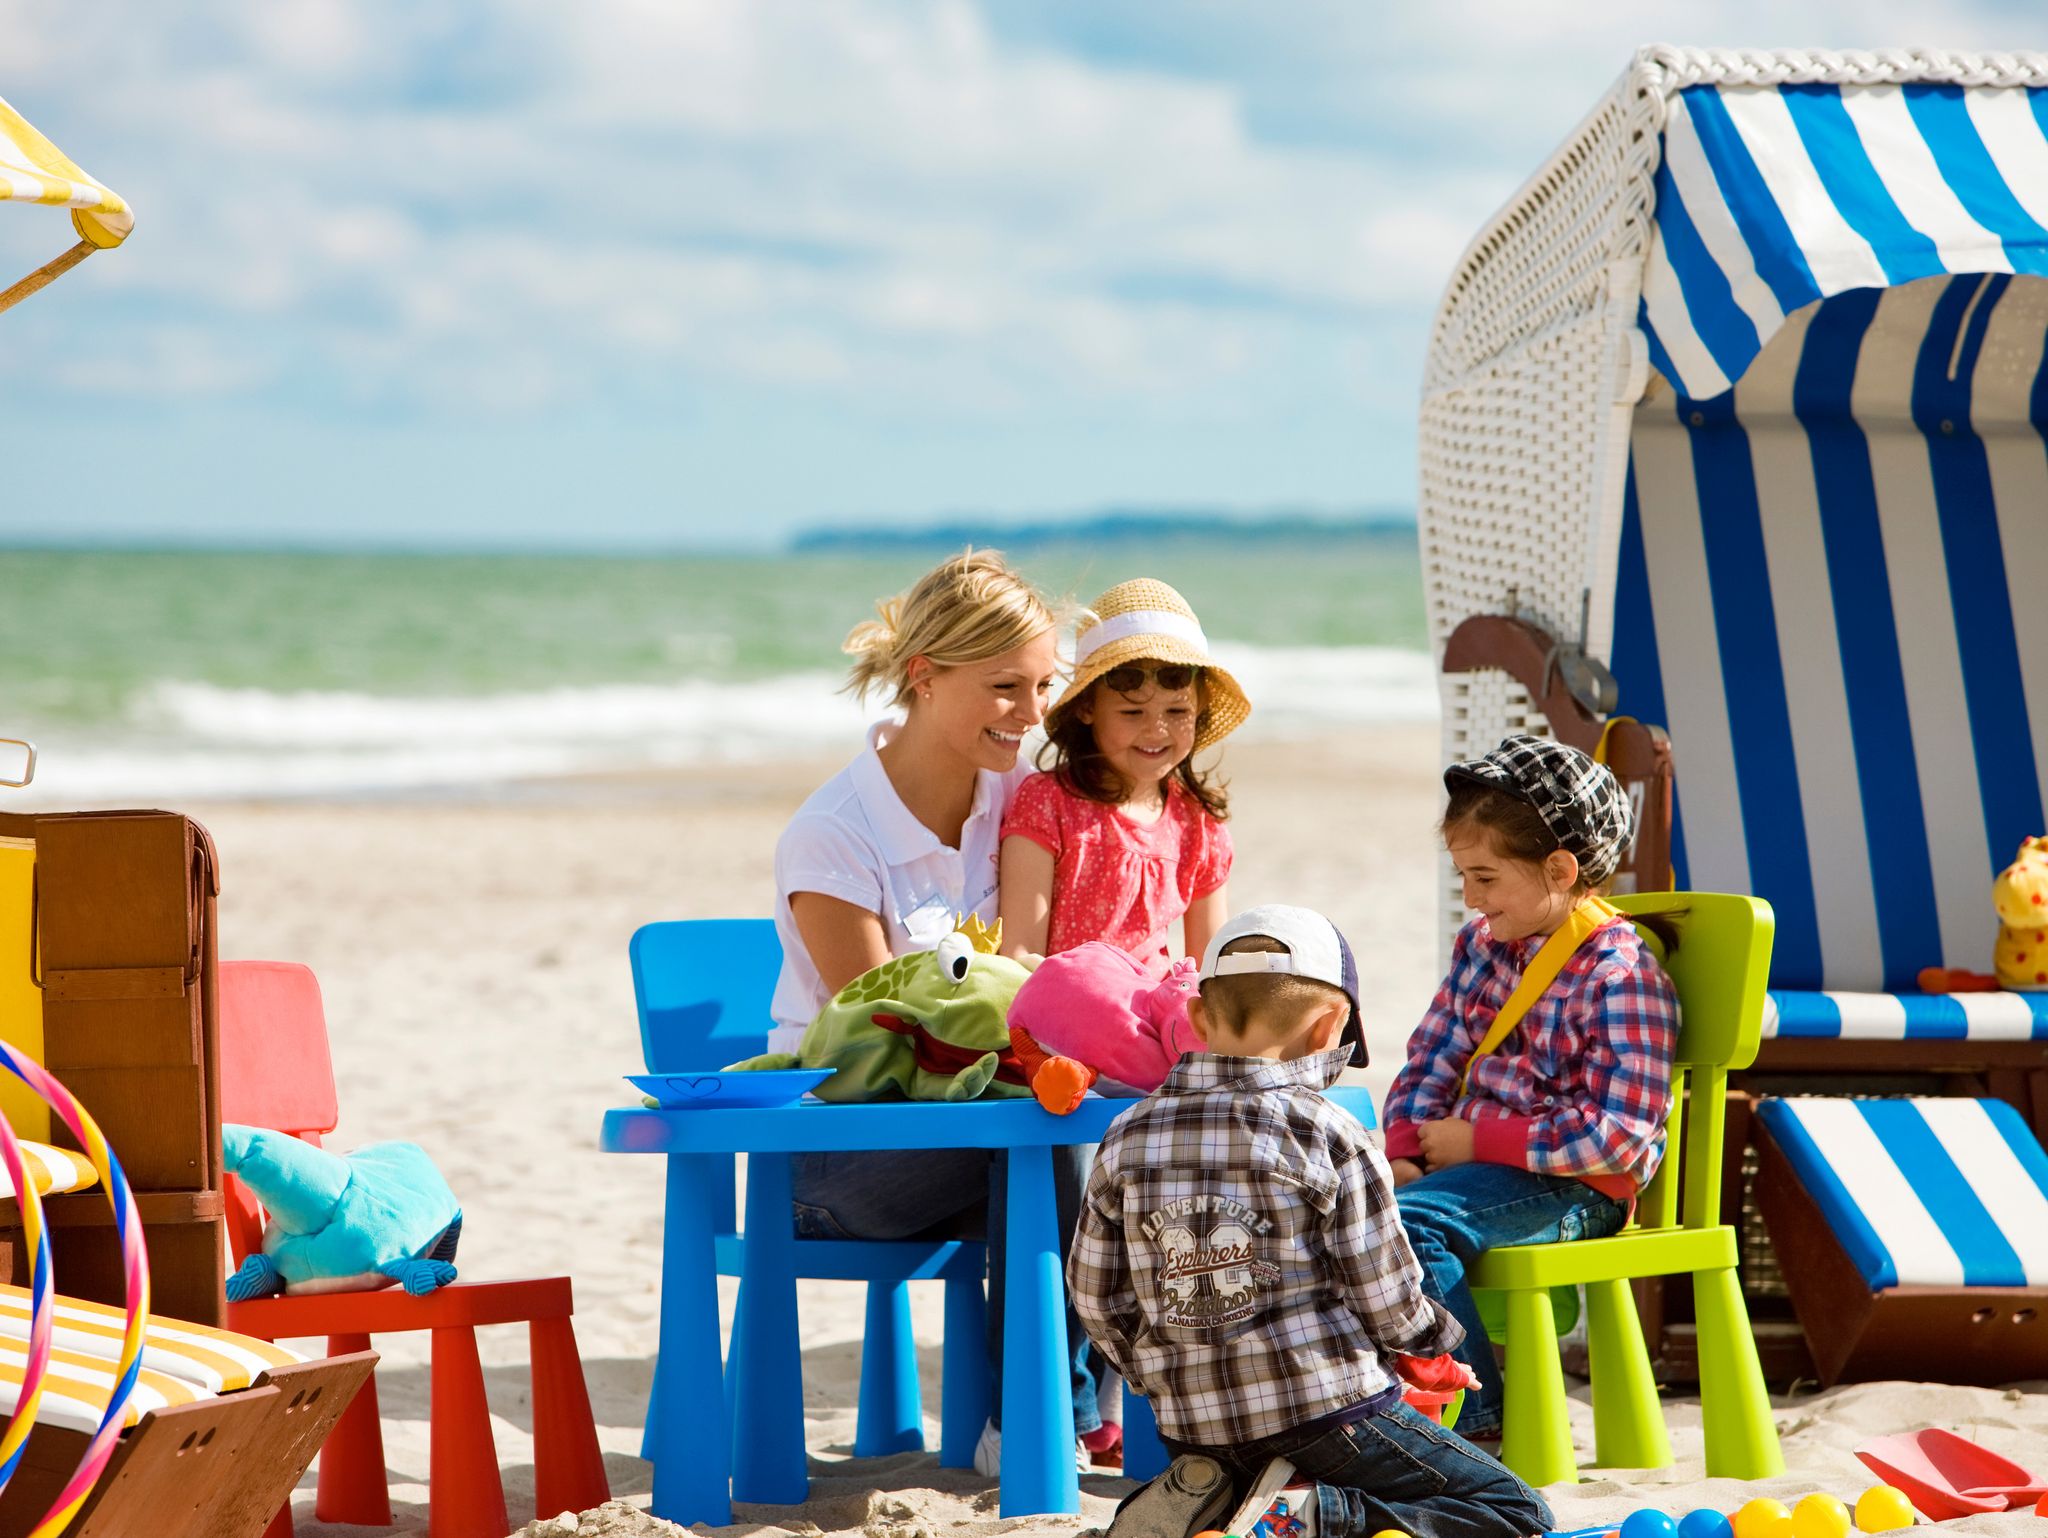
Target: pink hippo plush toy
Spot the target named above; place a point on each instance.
(1095, 1012)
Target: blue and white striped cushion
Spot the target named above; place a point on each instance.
(1938, 1193)
(1907, 1016)
(1829, 590)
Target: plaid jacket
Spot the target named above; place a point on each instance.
(1239, 1258)
(1581, 1087)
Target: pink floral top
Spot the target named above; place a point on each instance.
(1114, 879)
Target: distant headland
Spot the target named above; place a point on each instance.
(1111, 526)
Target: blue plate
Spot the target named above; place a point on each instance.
(728, 1090)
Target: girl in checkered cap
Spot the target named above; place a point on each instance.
(1121, 839)
(1533, 1102)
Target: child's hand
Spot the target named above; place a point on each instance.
(1446, 1142)
(1404, 1170)
(1435, 1374)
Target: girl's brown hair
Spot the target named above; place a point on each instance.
(1071, 754)
(1518, 829)
(1520, 834)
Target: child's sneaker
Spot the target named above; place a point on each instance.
(1256, 1507)
(988, 1453)
(1192, 1496)
(1292, 1514)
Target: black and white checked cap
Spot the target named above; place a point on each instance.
(1580, 801)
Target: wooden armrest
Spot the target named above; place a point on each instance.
(1638, 752)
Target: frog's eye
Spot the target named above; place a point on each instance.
(956, 957)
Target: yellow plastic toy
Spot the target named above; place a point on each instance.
(1820, 1516)
(2020, 894)
(1762, 1518)
(1883, 1508)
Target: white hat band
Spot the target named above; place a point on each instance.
(1139, 622)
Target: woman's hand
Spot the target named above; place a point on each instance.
(1446, 1142)
(1405, 1170)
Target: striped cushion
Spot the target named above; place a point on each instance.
(1936, 1193)
(1907, 1016)
(182, 1363)
(77, 1387)
(1829, 591)
(54, 1170)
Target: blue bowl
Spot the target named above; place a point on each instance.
(728, 1090)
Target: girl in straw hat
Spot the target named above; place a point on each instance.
(1122, 837)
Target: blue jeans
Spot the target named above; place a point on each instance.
(1455, 1215)
(1399, 1470)
(947, 1193)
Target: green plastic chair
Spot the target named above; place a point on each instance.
(1718, 965)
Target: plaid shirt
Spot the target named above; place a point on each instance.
(1240, 1259)
(1580, 1087)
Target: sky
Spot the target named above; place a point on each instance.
(667, 273)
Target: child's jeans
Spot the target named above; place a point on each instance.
(951, 1193)
(1454, 1215)
(1398, 1470)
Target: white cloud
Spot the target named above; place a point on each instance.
(498, 207)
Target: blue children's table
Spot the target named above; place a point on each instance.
(698, 1469)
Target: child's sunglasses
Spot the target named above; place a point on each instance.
(1130, 678)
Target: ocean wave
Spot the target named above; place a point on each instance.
(181, 738)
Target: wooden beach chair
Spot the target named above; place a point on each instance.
(1742, 395)
(221, 1426)
(1911, 1231)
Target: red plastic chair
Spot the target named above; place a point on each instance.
(276, 1073)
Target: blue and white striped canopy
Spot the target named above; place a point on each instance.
(1770, 197)
(1936, 1193)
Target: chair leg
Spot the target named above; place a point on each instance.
(351, 1485)
(963, 1372)
(568, 1467)
(1536, 1435)
(1144, 1453)
(891, 1414)
(281, 1524)
(1735, 1408)
(1628, 1418)
(465, 1498)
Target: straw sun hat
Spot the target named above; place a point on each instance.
(1146, 621)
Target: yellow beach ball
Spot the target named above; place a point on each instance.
(1820, 1516)
(1882, 1508)
(1763, 1518)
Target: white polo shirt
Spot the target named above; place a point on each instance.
(855, 840)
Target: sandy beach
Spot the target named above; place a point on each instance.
(472, 955)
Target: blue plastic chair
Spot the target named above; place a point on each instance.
(703, 987)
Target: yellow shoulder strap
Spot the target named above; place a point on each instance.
(1592, 913)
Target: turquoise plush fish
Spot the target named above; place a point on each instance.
(342, 1222)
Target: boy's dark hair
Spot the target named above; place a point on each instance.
(1243, 1000)
(1070, 753)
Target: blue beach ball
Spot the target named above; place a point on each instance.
(1648, 1524)
(1705, 1523)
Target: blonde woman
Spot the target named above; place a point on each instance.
(877, 863)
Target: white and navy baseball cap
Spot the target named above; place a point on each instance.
(1316, 949)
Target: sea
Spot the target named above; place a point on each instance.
(165, 674)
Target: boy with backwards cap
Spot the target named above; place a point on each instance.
(1240, 1260)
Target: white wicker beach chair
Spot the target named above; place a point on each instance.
(1827, 580)
(1745, 391)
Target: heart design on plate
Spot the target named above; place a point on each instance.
(697, 1089)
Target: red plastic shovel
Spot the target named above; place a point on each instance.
(1950, 1476)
